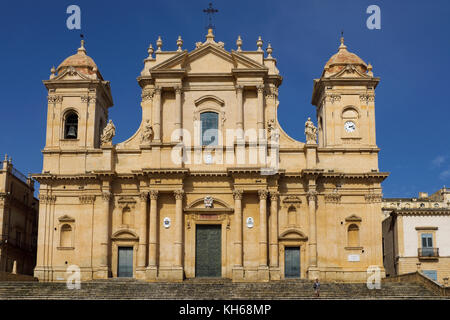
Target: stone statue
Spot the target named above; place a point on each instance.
(108, 133)
(147, 132)
(310, 132)
(272, 132)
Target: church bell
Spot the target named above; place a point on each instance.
(71, 133)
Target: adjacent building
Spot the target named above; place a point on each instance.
(210, 185)
(18, 220)
(416, 235)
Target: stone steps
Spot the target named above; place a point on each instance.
(197, 289)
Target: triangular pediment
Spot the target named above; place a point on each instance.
(208, 58)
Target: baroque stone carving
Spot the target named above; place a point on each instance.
(292, 201)
(147, 94)
(237, 194)
(106, 196)
(373, 197)
(143, 196)
(108, 133)
(154, 194)
(208, 200)
(310, 132)
(311, 196)
(331, 97)
(126, 202)
(263, 194)
(147, 133)
(87, 199)
(179, 194)
(333, 197)
(43, 198)
(366, 97)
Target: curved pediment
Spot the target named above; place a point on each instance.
(66, 218)
(208, 204)
(293, 234)
(125, 234)
(209, 97)
(200, 203)
(353, 218)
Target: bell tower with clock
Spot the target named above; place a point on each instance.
(344, 97)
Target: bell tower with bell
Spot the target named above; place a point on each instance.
(344, 97)
(78, 102)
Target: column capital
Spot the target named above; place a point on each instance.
(143, 195)
(263, 194)
(274, 195)
(106, 196)
(260, 88)
(239, 88)
(178, 89)
(154, 194)
(237, 194)
(179, 194)
(311, 195)
(158, 90)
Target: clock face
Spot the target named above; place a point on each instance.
(350, 126)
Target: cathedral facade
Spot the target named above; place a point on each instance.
(210, 185)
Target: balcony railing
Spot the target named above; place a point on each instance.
(428, 252)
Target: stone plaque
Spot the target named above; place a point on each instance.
(353, 257)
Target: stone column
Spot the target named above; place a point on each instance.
(274, 268)
(260, 111)
(263, 270)
(312, 270)
(238, 270)
(152, 269)
(142, 251)
(179, 224)
(106, 197)
(157, 115)
(178, 111)
(240, 111)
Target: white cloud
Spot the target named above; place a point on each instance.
(439, 161)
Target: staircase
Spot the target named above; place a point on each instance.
(210, 289)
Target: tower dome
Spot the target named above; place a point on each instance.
(80, 61)
(343, 58)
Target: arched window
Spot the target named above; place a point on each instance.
(66, 236)
(71, 126)
(353, 236)
(210, 128)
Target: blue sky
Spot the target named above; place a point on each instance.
(411, 55)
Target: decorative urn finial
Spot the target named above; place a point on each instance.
(259, 43)
(150, 51)
(52, 71)
(159, 44)
(239, 44)
(269, 51)
(179, 43)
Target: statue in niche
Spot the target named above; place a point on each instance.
(310, 132)
(147, 132)
(108, 133)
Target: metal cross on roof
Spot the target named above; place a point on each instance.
(210, 11)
